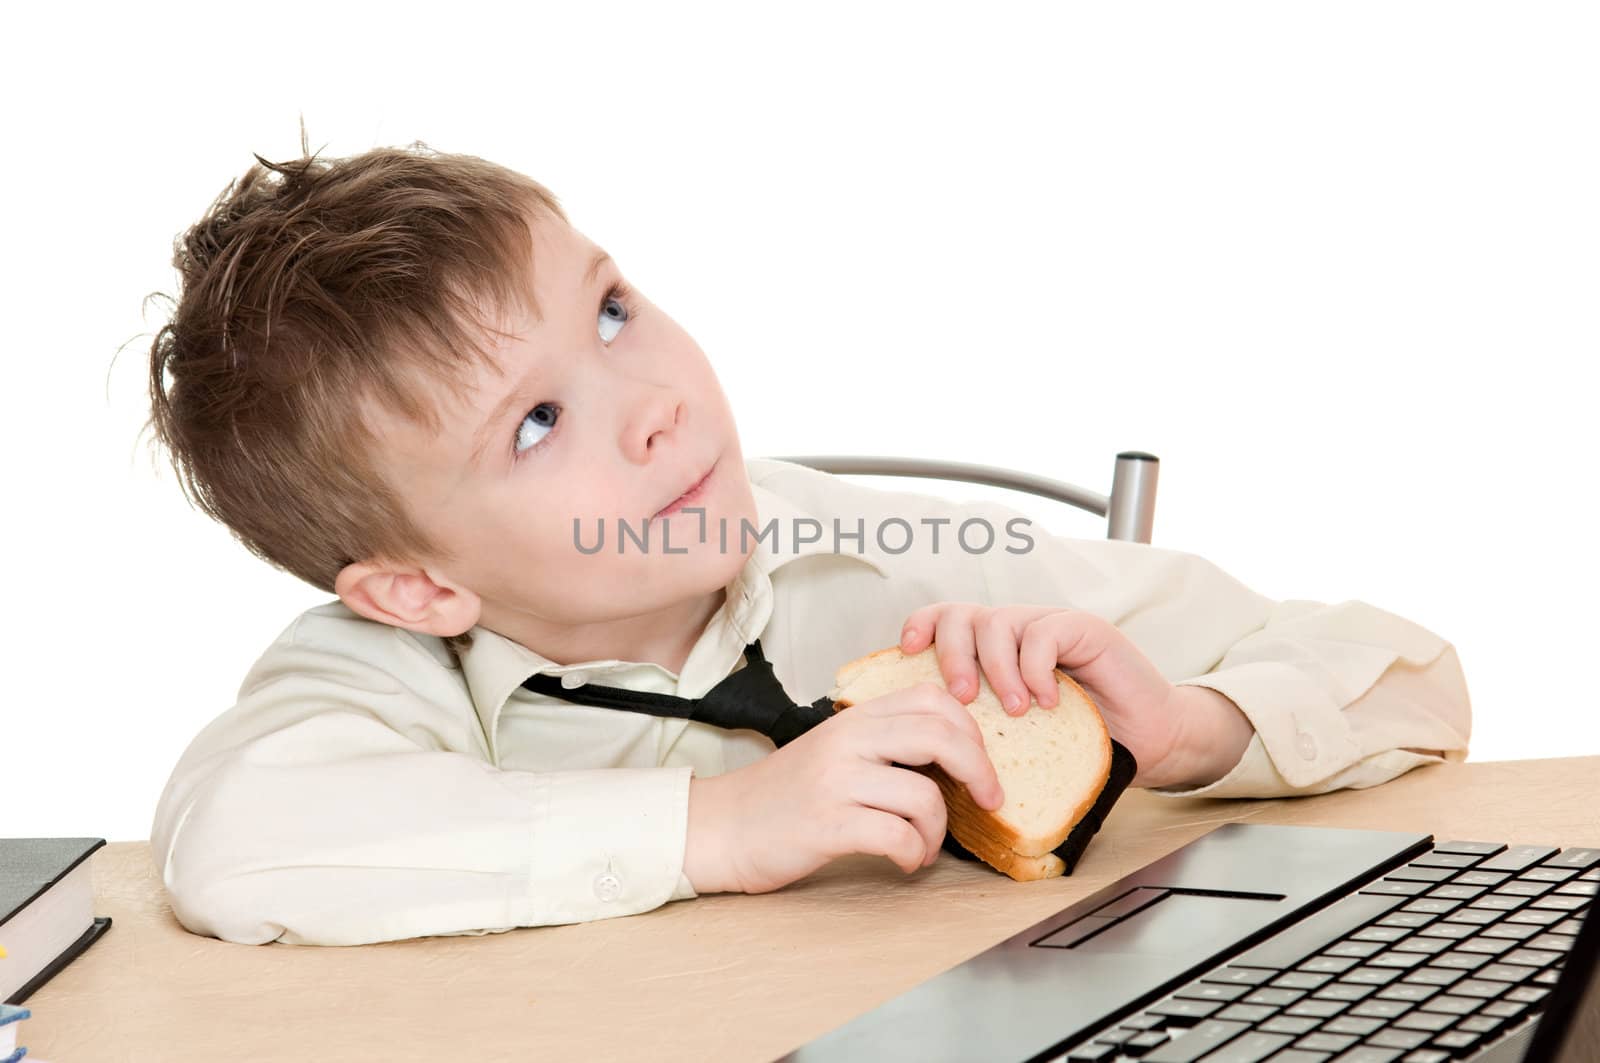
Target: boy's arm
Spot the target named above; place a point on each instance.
(1338, 695)
(334, 804)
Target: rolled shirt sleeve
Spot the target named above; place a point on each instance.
(1340, 695)
(336, 805)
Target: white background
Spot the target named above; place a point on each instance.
(1335, 265)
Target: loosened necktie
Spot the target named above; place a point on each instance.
(752, 698)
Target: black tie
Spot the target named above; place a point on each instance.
(750, 698)
(753, 699)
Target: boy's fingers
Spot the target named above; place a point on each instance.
(957, 653)
(1037, 657)
(997, 651)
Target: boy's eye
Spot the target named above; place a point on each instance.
(613, 315)
(542, 416)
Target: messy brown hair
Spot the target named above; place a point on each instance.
(308, 288)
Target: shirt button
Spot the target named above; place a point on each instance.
(1307, 746)
(574, 679)
(607, 886)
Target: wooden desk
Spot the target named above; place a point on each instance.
(723, 977)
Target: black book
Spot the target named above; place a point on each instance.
(46, 910)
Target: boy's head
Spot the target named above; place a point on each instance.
(403, 376)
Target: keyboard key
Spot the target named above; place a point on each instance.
(1324, 1042)
(1212, 991)
(1527, 994)
(1478, 987)
(1454, 891)
(1194, 1043)
(1250, 1048)
(1531, 958)
(1429, 1055)
(1247, 1013)
(1393, 888)
(1486, 878)
(1405, 960)
(1498, 902)
(1505, 972)
(1135, 1046)
(1515, 931)
(1316, 1008)
(1370, 976)
(1578, 889)
(1561, 903)
(1435, 976)
(1277, 998)
(1451, 1004)
(1300, 980)
(1525, 887)
(1517, 858)
(1358, 949)
(1453, 931)
(1457, 1039)
(1409, 991)
(1431, 1021)
(1341, 991)
(1093, 1053)
(1460, 961)
(1486, 946)
(1420, 874)
(1381, 1009)
(1561, 943)
(1417, 913)
(1143, 1021)
(1241, 975)
(1478, 1024)
(1427, 945)
(1477, 914)
(1367, 1054)
(1358, 1025)
(1469, 848)
(1401, 1039)
(1536, 916)
(1296, 1025)
(1329, 964)
(1380, 933)
(1579, 859)
(1184, 1012)
(1438, 859)
(1546, 872)
(1504, 1009)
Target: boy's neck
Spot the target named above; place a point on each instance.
(665, 638)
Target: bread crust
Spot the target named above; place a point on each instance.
(983, 833)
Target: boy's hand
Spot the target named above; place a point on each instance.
(838, 789)
(1019, 647)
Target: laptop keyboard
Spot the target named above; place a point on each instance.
(1434, 961)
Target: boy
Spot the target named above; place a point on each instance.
(406, 379)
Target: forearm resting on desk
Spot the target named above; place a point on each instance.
(1212, 736)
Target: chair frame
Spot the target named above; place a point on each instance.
(1130, 509)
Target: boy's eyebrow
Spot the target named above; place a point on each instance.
(485, 431)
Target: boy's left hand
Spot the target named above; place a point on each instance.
(1019, 647)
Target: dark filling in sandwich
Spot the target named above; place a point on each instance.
(1123, 769)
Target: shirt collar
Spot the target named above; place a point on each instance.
(495, 666)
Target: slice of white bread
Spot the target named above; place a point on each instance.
(1052, 763)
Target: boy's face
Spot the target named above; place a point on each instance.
(604, 412)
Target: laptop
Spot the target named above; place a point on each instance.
(1273, 944)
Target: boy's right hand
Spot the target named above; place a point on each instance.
(834, 790)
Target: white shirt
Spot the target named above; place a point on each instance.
(368, 785)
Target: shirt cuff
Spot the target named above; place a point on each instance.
(1301, 739)
(608, 842)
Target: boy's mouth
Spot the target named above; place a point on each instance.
(696, 490)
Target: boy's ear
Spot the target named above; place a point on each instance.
(408, 597)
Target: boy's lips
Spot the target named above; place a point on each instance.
(695, 491)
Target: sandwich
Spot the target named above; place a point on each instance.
(1059, 767)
